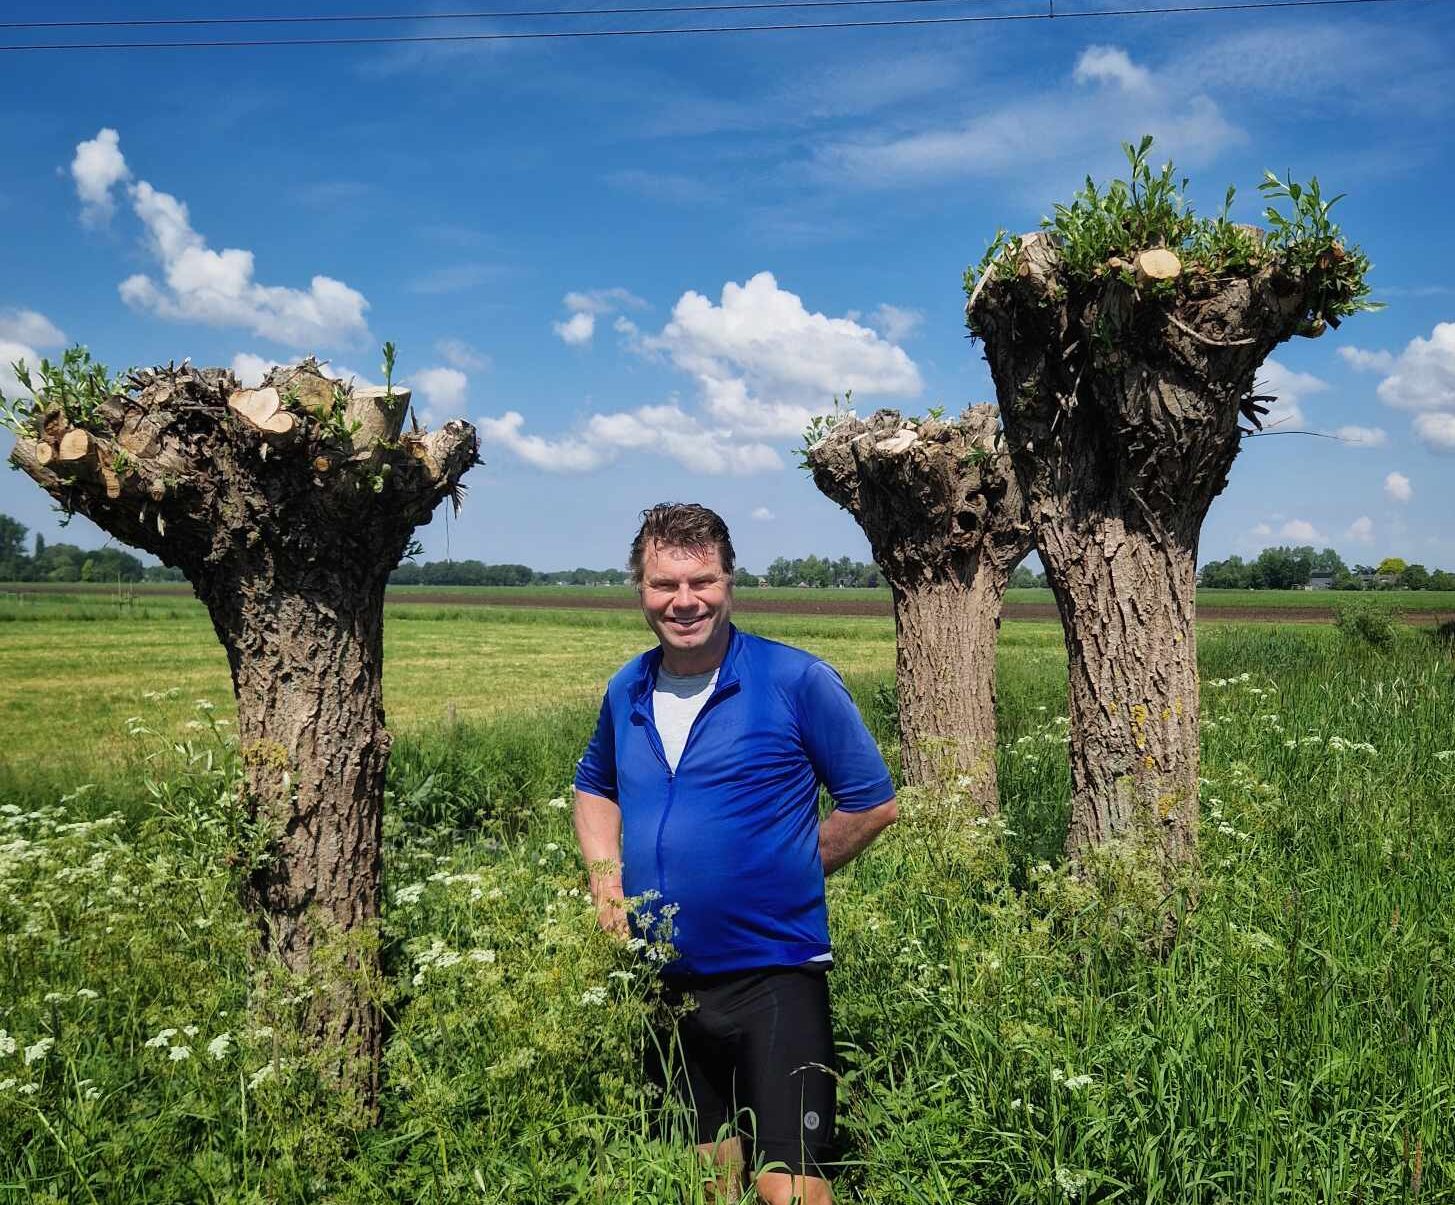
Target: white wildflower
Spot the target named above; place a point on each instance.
(558, 802)
(7, 1084)
(92, 1093)
(204, 705)
(624, 976)
(162, 1039)
(410, 894)
(486, 956)
(1076, 1082)
(28, 1089)
(179, 1054)
(593, 997)
(54, 997)
(219, 1046)
(38, 1050)
(1069, 1182)
(190, 1030)
(260, 1076)
(86, 993)
(1445, 755)
(8, 1045)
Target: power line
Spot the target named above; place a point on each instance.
(533, 35)
(511, 14)
(354, 18)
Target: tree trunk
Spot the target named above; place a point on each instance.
(1127, 604)
(287, 507)
(307, 663)
(1122, 414)
(944, 516)
(944, 672)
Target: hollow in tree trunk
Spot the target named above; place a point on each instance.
(1121, 405)
(946, 523)
(286, 507)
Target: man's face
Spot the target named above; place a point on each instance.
(687, 600)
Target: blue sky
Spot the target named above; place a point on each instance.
(639, 264)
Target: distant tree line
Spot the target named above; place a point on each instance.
(821, 571)
(69, 563)
(478, 573)
(1293, 568)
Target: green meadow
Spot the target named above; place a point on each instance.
(1005, 1035)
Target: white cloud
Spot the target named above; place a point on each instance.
(1111, 65)
(1367, 361)
(250, 369)
(28, 326)
(97, 168)
(586, 307)
(1362, 437)
(765, 364)
(12, 351)
(459, 354)
(896, 323)
(441, 389)
(1436, 431)
(666, 430)
(1262, 529)
(215, 287)
(22, 333)
(556, 456)
(1290, 388)
(1104, 96)
(762, 514)
(577, 329)
(603, 301)
(1301, 530)
(1361, 531)
(1423, 376)
(1397, 488)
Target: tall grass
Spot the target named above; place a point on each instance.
(1004, 1033)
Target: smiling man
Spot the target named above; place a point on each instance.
(699, 790)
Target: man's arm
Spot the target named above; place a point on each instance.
(598, 831)
(843, 836)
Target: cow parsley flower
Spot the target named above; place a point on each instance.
(8, 1045)
(179, 1054)
(594, 997)
(38, 1050)
(219, 1046)
(161, 1040)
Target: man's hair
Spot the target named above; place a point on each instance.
(680, 525)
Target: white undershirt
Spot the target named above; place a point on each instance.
(676, 701)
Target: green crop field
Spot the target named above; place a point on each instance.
(1004, 1033)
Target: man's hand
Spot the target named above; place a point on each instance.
(843, 836)
(598, 830)
(611, 909)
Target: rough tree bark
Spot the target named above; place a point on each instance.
(286, 507)
(947, 524)
(1121, 408)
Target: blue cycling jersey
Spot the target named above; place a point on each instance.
(731, 838)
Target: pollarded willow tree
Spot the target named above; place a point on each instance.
(287, 507)
(1124, 338)
(947, 524)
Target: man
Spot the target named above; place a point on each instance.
(699, 790)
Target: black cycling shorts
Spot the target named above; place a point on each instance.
(755, 1056)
